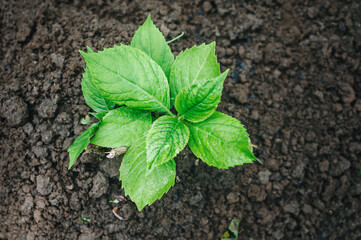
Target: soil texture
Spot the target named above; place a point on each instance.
(295, 83)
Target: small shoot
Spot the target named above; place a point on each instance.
(232, 232)
(85, 120)
(84, 219)
(176, 38)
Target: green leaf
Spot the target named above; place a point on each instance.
(89, 49)
(85, 120)
(127, 76)
(199, 101)
(99, 115)
(220, 141)
(121, 127)
(197, 63)
(81, 143)
(166, 138)
(144, 186)
(150, 40)
(232, 232)
(92, 95)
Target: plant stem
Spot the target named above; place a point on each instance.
(176, 38)
(180, 117)
(169, 112)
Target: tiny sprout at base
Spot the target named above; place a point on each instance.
(150, 106)
(84, 219)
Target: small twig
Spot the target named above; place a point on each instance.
(116, 213)
(116, 152)
(253, 146)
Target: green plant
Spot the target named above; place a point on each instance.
(84, 219)
(232, 231)
(146, 82)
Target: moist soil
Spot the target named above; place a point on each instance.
(294, 83)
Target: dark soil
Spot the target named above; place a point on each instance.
(294, 83)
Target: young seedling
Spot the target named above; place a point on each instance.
(85, 120)
(84, 219)
(232, 232)
(149, 87)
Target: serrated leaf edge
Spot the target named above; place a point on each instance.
(87, 58)
(198, 84)
(171, 183)
(177, 150)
